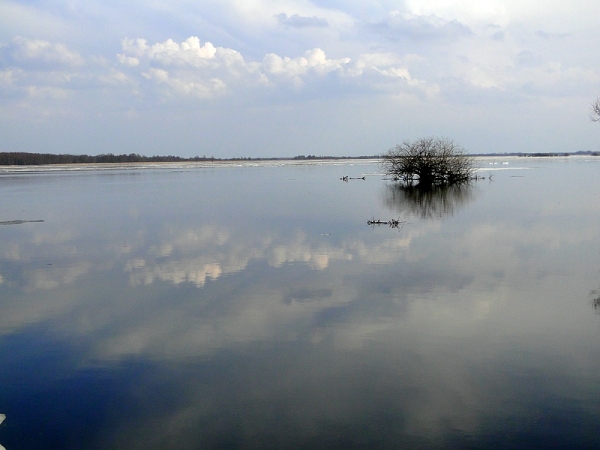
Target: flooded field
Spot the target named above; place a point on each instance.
(279, 306)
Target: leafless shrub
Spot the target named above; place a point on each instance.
(428, 162)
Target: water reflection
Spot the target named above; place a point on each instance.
(208, 252)
(595, 295)
(427, 202)
(2, 417)
(189, 329)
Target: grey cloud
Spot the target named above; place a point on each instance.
(544, 35)
(495, 32)
(306, 295)
(498, 35)
(298, 21)
(409, 26)
(526, 58)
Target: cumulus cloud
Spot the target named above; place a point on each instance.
(385, 64)
(39, 51)
(204, 71)
(42, 71)
(196, 70)
(169, 52)
(130, 61)
(298, 21)
(296, 69)
(188, 68)
(314, 60)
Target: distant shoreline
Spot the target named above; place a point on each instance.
(42, 159)
(178, 165)
(47, 159)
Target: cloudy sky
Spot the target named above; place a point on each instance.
(255, 78)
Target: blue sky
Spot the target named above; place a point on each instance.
(257, 78)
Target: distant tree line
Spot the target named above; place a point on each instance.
(35, 159)
(28, 159)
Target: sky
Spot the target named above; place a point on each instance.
(278, 78)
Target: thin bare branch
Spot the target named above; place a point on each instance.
(595, 114)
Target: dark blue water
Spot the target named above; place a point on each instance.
(253, 307)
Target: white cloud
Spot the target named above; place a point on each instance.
(203, 70)
(171, 53)
(186, 85)
(131, 61)
(8, 78)
(187, 68)
(47, 79)
(314, 61)
(41, 51)
(113, 77)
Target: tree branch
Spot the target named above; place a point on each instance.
(595, 115)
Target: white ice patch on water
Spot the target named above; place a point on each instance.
(183, 165)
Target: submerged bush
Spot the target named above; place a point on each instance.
(428, 162)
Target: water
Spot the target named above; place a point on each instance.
(253, 307)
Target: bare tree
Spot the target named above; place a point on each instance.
(595, 115)
(428, 162)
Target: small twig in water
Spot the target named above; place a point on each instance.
(394, 223)
(19, 222)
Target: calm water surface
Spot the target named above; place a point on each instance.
(253, 307)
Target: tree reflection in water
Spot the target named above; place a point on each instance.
(427, 203)
(595, 294)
